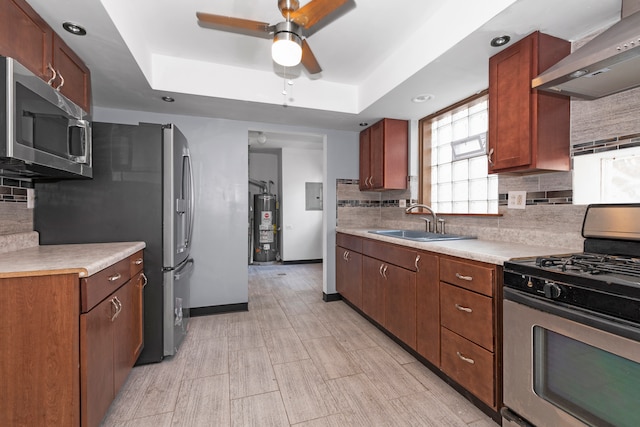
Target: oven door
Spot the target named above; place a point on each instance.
(567, 367)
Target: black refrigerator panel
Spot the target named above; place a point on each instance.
(123, 202)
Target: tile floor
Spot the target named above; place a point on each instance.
(291, 360)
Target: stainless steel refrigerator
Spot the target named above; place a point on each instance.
(142, 190)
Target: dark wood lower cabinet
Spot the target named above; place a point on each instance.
(68, 344)
(400, 304)
(373, 289)
(349, 275)
(447, 309)
(97, 367)
(469, 365)
(428, 308)
(39, 351)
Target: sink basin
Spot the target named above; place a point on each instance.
(420, 236)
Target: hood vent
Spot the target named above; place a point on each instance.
(606, 65)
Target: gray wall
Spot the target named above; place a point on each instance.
(220, 155)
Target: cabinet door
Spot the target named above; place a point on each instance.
(396, 154)
(349, 275)
(39, 351)
(25, 36)
(376, 141)
(373, 289)
(400, 303)
(365, 159)
(96, 361)
(76, 75)
(137, 305)
(428, 308)
(528, 129)
(510, 106)
(123, 333)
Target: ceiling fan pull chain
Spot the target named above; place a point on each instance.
(284, 81)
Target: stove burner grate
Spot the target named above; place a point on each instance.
(592, 264)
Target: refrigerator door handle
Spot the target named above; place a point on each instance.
(192, 201)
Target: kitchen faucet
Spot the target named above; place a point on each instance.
(428, 221)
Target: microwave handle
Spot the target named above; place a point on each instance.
(85, 128)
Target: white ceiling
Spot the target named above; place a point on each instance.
(375, 58)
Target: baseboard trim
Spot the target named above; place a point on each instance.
(303, 261)
(217, 309)
(331, 297)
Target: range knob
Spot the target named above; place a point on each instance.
(552, 290)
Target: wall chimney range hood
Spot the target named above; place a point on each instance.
(608, 64)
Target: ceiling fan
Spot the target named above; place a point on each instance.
(290, 46)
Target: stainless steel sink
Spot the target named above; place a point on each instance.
(420, 236)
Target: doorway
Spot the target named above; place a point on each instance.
(288, 169)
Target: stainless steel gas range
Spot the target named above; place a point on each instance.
(572, 329)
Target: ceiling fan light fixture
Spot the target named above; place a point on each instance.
(286, 49)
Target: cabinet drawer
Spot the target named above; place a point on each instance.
(94, 289)
(347, 241)
(468, 314)
(469, 365)
(466, 275)
(136, 262)
(390, 254)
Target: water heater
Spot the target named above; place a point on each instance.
(265, 228)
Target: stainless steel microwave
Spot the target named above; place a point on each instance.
(45, 135)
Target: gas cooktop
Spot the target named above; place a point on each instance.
(605, 278)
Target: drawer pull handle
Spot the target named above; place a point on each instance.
(115, 277)
(144, 280)
(138, 261)
(462, 308)
(346, 255)
(466, 359)
(416, 263)
(461, 277)
(380, 270)
(384, 271)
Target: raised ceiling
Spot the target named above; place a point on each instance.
(375, 58)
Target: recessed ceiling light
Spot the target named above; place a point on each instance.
(422, 98)
(500, 41)
(168, 99)
(363, 124)
(74, 29)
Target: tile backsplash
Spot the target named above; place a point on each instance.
(14, 215)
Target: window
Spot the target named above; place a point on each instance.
(454, 168)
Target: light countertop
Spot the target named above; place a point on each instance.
(84, 259)
(479, 250)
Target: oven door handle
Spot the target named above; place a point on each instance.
(580, 315)
(514, 418)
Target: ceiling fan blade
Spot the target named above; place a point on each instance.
(235, 25)
(317, 13)
(309, 60)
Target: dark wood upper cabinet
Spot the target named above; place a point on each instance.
(77, 78)
(528, 129)
(384, 155)
(26, 37)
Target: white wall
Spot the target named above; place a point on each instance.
(301, 229)
(220, 155)
(264, 167)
